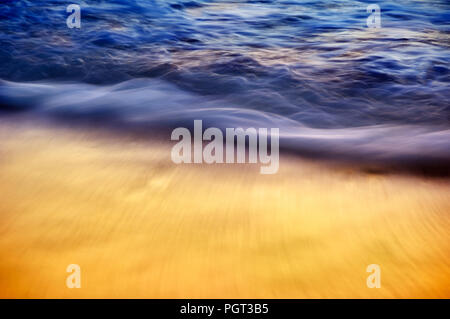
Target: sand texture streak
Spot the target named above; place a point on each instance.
(140, 226)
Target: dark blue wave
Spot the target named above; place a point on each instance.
(311, 67)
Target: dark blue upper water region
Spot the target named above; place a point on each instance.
(312, 68)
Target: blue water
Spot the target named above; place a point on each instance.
(311, 68)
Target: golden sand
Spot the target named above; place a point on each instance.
(140, 226)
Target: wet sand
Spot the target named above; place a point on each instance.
(140, 226)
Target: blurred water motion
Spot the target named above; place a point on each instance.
(314, 62)
(140, 226)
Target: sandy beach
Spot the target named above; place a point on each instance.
(140, 226)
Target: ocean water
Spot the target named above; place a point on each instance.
(314, 69)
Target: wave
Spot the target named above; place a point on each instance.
(150, 105)
(335, 88)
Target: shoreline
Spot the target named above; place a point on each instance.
(438, 169)
(140, 226)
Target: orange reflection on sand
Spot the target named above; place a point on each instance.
(140, 226)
